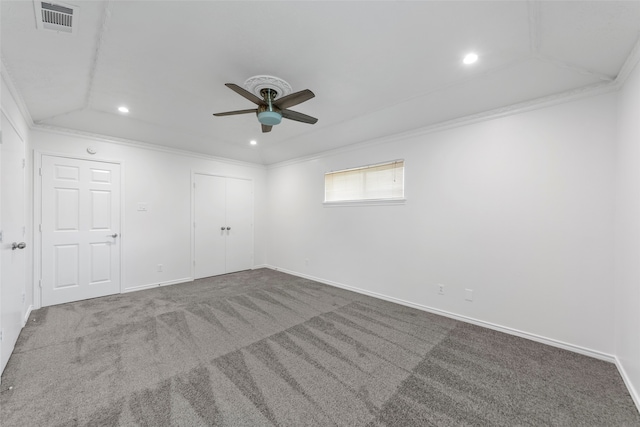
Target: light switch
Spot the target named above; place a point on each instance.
(142, 207)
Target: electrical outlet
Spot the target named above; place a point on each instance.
(159, 268)
(440, 289)
(306, 262)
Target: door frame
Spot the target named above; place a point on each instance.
(37, 215)
(193, 214)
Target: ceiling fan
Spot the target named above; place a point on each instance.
(272, 108)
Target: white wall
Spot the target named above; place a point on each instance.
(627, 229)
(162, 180)
(519, 209)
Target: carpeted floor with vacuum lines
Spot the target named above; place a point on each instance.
(263, 348)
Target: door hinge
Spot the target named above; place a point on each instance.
(40, 171)
(0, 236)
(194, 185)
(40, 283)
(40, 227)
(24, 163)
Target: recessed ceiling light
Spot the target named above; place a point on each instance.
(470, 58)
(253, 142)
(123, 109)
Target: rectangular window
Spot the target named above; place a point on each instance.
(384, 181)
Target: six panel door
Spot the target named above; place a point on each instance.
(80, 229)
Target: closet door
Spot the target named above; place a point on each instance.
(240, 225)
(223, 225)
(209, 225)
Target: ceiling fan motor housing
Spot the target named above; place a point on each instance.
(269, 118)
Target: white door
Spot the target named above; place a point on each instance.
(223, 225)
(210, 225)
(80, 229)
(239, 224)
(13, 262)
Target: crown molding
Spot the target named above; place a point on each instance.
(596, 89)
(142, 145)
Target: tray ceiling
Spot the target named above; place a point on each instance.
(377, 68)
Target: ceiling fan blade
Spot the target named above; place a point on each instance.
(240, 91)
(266, 128)
(299, 117)
(233, 113)
(294, 99)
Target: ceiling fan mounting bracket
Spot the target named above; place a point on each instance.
(257, 84)
(269, 93)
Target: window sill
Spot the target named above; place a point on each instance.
(369, 202)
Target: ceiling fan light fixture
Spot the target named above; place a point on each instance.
(269, 118)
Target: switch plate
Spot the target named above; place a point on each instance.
(142, 207)
(160, 268)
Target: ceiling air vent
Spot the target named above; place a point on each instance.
(58, 17)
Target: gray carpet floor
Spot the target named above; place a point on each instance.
(262, 348)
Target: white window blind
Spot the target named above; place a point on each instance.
(383, 181)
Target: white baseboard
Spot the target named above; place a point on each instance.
(26, 316)
(256, 267)
(511, 331)
(155, 285)
(627, 381)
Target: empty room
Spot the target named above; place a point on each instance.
(320, 213)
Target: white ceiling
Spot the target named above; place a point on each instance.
(377, 68)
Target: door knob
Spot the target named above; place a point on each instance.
(222, 228)
(114, 235)
(228, 228)
(20, 245)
